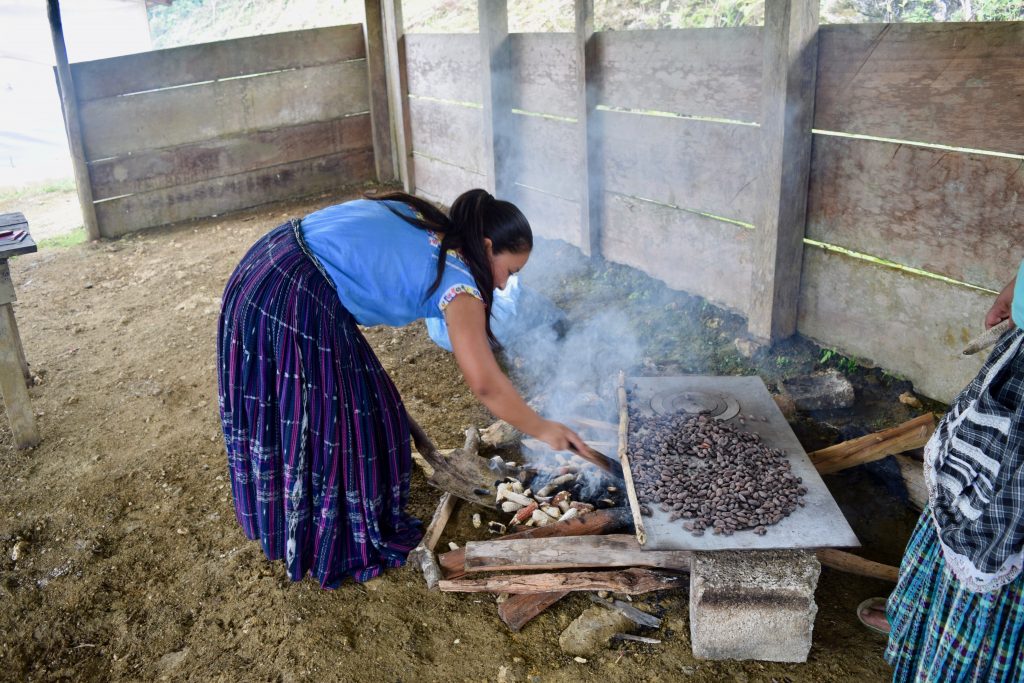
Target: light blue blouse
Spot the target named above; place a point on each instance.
(381, 265)
(1017, 308)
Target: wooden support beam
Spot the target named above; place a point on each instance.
(518, 610)
(787, 111)
(570, 552)
(852, 564)
(496, 81)
(423, 554)
(380, 110)
(629, 581)
(12, 384)
(72, 123)
(453, 564)
(587, 136)
(911, 434)
(398, 91)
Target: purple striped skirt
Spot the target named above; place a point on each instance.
(316, 434)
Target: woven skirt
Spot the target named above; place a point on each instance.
(945, 633)
(317, 437)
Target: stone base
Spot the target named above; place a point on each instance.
(753, 604)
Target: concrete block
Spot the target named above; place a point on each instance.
(753, 604)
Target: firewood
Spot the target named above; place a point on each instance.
(912, 472)
(852, 564)
(619, 550)
(461, 472)
(518, 610)
(911, 434)
(453, 564)
(629, 581)
(423, 554)
(623, 451)
(627, 610)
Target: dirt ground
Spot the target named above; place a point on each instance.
(130, 565)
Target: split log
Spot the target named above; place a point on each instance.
(423, 554)
(620, 550)
(911, 434)
(461, 472)
(519, 610)
(629, 581)
(912, 472)
(852, 564)
(624, 608)
(453, 564)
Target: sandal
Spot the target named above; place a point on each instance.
(872, 604)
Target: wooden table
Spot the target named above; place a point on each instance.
(14, 374)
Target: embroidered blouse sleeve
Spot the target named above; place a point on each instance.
(457, 280)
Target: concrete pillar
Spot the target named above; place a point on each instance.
(753, 604)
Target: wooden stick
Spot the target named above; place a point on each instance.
(453, 564)
(629, 581)
(627, 610)
(636, 639)
(852, 564)
(627, 474)
(911, 434)
(423, 554)
(518, 610)
(572, 552)
(912, 472)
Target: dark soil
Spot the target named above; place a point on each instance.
(131, 565)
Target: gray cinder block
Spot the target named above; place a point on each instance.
(753, 604)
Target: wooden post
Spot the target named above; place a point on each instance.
(72, 124)
(787, 112)
(591, 185)
(380, 116)
(398, 91)
(496, 80)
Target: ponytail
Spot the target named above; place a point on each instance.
(475, 215)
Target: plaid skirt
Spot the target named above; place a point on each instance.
(317, 437)
(942, 632)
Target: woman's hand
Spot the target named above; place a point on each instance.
(1000, 310)
(560, 437)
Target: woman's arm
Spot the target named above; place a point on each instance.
(467, 332)
(1000, 310)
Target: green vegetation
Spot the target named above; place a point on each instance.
(68, 239)
(36, 189)
(185, 22)
(831, 357)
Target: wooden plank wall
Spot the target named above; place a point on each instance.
(677, 119)
(195, 131)
(679, 155)
(947, 212)
(446, 114)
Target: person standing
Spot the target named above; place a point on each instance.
(957, 613)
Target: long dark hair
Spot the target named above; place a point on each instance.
(474, 216)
